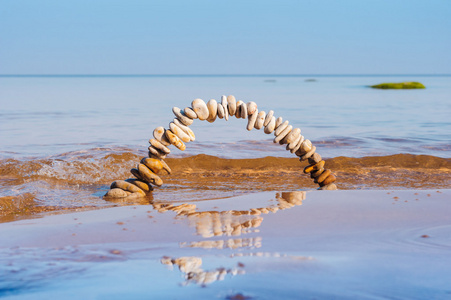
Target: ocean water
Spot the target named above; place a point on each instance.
(44, 116)
(237, 218)
(64, 139)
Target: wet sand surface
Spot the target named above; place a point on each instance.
(346, 244)
(78, 180)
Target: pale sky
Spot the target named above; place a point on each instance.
(225, 37)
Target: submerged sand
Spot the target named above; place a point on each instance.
(287, 245)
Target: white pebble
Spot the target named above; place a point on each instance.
(260, 120)
(270, 126)
(251, 120)
(278, 121)
(283, 133)
(231, 104)
(200, 108)
(212, 106)
(268, 117)
(251, 107)
(281, 127)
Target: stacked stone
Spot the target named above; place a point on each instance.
(179, 133)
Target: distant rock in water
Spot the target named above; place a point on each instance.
(270, 80)
(310, 80)
(400, 85)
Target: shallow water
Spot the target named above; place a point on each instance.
(284, 245)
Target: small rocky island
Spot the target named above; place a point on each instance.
(398, 86)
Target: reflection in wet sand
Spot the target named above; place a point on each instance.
(223, 223)
(191, 268)
(225, 244)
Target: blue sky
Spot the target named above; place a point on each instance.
(225, 37)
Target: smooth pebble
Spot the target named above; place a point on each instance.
(156, 165)
(298, 145)
(283, 134)
(315, 158)
(238, 109)
(251, 107)
(212, 106)
(294, 143)
(251, 120)
(141, 184)
(269, 128)
(190, 113)
(174, 140)
(126, 186)
(157, 144)
(260, 119)
(200, 108)
(179, 132)
(186, 129)
(220, 111)
(281, 127)
(268, 117)
(294, 135)
(279, 121)
(155, 152)
(243, 111)
(323, 176)
(231, 104)
(116, 193)
(308, 154)
(148, 175)
(181, 116)
(158, 134)
(329, 187)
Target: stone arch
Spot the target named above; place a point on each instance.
(179, 133)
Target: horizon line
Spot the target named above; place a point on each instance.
(218, 75)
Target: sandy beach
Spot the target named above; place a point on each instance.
(230, 150)
(317, 244)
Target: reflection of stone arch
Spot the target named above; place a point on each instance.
(230, 225)
(179, 133)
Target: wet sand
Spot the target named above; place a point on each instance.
(345, 244)
(76, 181)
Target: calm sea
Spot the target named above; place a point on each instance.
(48, 116)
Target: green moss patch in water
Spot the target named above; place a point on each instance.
(400, 85)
